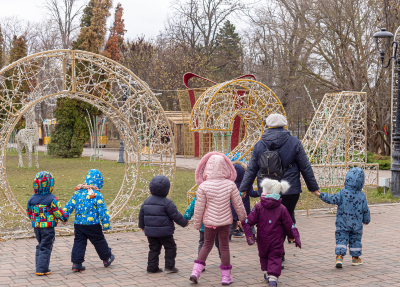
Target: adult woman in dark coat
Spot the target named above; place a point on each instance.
(293, 157)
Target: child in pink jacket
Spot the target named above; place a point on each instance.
(216, 176)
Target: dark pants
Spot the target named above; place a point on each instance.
(95, 234)
(155, 244)
(201, 242)
(45, 238)
(232, 227)
(209, 238)
(290, 201)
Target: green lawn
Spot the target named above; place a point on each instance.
(70, 172)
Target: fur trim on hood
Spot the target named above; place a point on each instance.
(214, 165)
(243, 165)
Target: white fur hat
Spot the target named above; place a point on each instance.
(276, 121)
(274, 186)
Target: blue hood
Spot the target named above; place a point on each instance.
(160, 186)
(275, 138)
(94, 178)
(239, 174)
(354, 179)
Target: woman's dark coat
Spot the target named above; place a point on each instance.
(291, 152)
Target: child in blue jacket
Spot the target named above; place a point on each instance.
(352, 214)
(90, 215)
(44, 210)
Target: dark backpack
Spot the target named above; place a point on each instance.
(271, 164)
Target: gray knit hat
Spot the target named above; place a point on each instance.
(276, 121)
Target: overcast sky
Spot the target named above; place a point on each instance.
(142, 17)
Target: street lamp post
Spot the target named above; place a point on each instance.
(121, 143)
(385, 35)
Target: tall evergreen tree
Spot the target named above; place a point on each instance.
(18, 49)
(71, 131)
(93, 26)
(228, 58)
(116, 38)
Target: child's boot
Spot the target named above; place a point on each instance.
(339, 261)
(78, 267)
(109, 261)
(48, 272)
(273, 281)
(196, 272)
(226, 274)
(356, 261)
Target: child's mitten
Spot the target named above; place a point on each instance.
(249, 234)
(296, 236)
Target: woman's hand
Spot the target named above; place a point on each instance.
(316, 193)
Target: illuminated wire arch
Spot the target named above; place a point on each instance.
(103, 83)
(220, 105)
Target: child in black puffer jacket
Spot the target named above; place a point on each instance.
(156, 219)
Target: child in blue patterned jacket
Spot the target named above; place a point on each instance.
(352, 214)
(44, 211)
(90, 215)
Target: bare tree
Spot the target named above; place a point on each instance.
(326, 45)
(196, 22)
(64, 14)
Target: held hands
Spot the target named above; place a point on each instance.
(316, 193)
(187, 224)
(243, 194)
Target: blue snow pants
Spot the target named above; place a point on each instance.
(45, 238)
(352, 238)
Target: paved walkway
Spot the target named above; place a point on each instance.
(113, 153)
(311, 266)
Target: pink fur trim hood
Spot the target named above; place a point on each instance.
(214, 165)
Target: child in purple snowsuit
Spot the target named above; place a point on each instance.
(271, 218)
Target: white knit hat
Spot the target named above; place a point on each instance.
(276, 121)
(274, 186)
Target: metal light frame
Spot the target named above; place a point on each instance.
(97, 80)
(336, 140)
(217, 107)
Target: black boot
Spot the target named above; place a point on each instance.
(109, 261)
(78, 267)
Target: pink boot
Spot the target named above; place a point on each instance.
(197, 268)
(226, 274)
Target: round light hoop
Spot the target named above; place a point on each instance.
(217, 108)
(117, 92)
